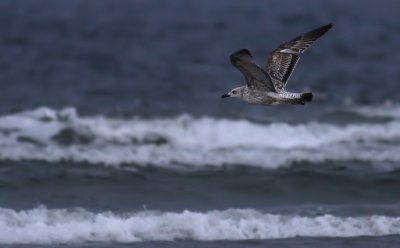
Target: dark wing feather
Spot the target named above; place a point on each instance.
(256, 77)
(283, 60)
(280, 67)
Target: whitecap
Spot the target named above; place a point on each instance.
(45, 226)
(63, 135)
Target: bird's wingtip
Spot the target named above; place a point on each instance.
(307, 97)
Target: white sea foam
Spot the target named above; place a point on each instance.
(50, 135)
(385, 111)
(44, 226)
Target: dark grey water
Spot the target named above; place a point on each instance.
(113, 133)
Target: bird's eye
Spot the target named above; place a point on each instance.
(234, 91)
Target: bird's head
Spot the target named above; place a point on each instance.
(236, 92)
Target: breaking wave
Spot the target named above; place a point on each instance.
(390, 111)
(62, 135)
(44, 226)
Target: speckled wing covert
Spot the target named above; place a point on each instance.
(256, 77)
(282, 61)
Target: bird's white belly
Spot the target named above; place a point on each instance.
(264, 98)
(270, 98)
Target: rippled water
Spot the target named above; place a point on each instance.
(112, 130)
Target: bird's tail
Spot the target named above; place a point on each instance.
(307, 97)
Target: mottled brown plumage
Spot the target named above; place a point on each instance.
(282, 61)
(267, 86)
(256, 77)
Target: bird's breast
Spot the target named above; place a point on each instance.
(259, 97)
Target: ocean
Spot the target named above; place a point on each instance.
(113, 132)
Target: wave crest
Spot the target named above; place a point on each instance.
(51, 135)
(44, 226)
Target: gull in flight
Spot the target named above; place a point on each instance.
(267, 86)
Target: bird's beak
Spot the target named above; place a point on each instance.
(226, 95)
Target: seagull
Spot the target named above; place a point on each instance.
(267, 86)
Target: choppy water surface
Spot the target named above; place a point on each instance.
(113, 133)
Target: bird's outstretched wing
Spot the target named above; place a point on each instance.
(282, 61)
(256, 77)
